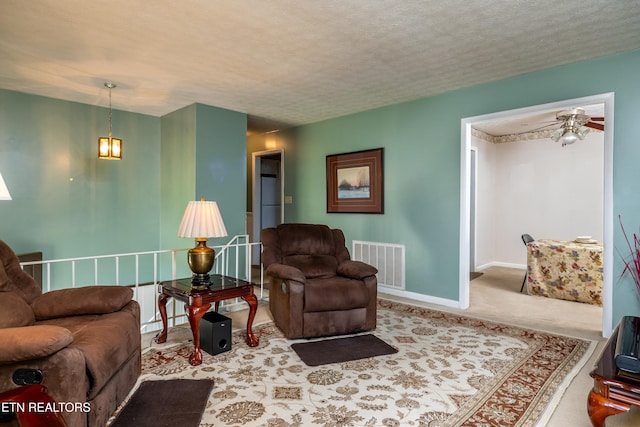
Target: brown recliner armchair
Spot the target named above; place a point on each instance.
(82, 343)
(315, 289)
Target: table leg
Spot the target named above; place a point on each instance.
(161, 336)
(252, 340)
(600, 407)
(195, 313)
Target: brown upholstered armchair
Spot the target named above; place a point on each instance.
(315, 289)
(82, 344)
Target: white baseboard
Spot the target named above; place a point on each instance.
(419, 297)
(501, 264)
(443, 301)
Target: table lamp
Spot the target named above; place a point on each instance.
(201, 221)
(4, 191)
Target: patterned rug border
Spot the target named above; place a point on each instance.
(478, 409)
(545, 402)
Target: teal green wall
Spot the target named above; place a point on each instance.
(422, 165)
(178, 179)
(67, 203)
(203, 155)
(221, 164)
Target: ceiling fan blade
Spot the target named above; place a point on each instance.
(597, 119)
(592, 125)
(544, 127)
(540, 122)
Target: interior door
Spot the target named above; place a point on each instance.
(472, 215)
(268, 203)
(270, 208)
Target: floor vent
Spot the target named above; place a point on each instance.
(388, 258)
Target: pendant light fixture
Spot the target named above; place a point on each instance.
(109, 147)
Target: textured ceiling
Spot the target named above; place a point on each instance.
(288, 62)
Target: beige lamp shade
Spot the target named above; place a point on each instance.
(202, 219)
(4, 191)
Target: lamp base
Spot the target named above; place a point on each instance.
(200, 282)
(201, 260)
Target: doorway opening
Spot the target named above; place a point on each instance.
(467, 200)
(268, 194)
(473, 194)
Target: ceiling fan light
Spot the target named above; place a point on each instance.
(557, 134)
(569, 138)
(582, 132)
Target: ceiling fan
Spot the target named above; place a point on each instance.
(575, 125)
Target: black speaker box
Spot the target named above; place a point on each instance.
(215, 333)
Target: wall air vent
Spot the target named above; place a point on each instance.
(388, 258)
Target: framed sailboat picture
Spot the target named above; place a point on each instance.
(355, 182)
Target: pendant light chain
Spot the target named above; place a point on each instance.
(110, 86)
(110, 122)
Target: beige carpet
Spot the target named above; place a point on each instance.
(450, 370)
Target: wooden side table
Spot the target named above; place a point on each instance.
(198, 302)
(613, 392)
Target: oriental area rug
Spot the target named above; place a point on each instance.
(449, 370)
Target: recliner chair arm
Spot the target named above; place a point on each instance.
(356, 269)
(32, 342)
(285, 272)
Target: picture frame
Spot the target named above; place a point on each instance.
(355, 182)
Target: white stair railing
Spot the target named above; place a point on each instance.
(144, 270)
